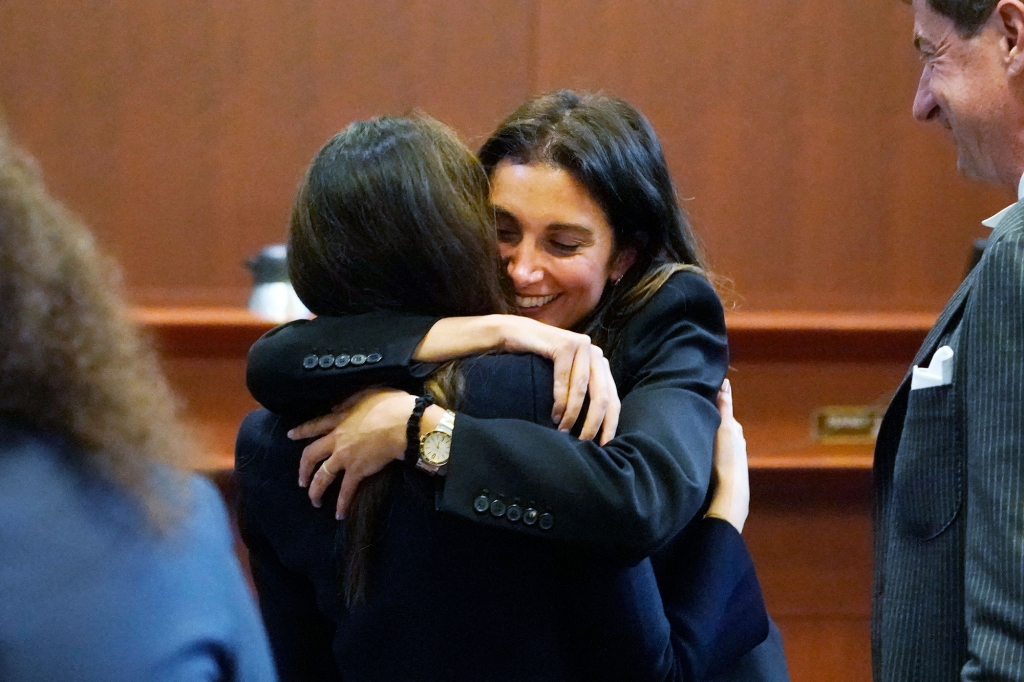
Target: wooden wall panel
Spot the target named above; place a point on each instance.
(810, 537)
(179, 129)
(789, 125)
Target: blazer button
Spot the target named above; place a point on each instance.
(546, 521)
(514, 513)
(358, 359)
(341, 360)
(481, 504)
(326, 360)
(373, 357)
(310, 361)
(497, 508)
(530, 516)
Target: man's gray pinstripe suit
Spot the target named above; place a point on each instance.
(949, 479)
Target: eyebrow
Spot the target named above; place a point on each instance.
(572, 227)
(500, 212)
(566, 227)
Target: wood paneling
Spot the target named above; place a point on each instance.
(789, 125)
(179, 128)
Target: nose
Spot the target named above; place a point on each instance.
(523, 265)
(926, 107)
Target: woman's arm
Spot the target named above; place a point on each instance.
(307, 367)
(301, 635)
(731, 499)
(645, 485)
(629, 496)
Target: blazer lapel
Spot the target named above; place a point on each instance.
(892, 422)
(952, 312)
(950, 315)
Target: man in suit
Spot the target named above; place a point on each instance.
(949, 463)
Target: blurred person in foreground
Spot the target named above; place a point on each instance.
(114, 563)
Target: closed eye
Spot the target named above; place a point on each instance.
(561, 247)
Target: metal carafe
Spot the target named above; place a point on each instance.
(272, 295)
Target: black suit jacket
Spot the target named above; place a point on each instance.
(629, 497)
(456, 600)
(949, 478)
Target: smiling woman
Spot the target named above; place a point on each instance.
(595, 242)
(584, 199)
(558, 245)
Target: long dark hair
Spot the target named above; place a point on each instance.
(393, 214)
(611, 149)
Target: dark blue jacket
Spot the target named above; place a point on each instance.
(455, 600)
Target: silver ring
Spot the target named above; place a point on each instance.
(324, 468)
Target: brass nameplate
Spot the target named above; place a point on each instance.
(847, 424)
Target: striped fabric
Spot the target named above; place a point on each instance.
(948, 599)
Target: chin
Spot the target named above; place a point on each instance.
(967, 168)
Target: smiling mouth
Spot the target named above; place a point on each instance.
(528, 302)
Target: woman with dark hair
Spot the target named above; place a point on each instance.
(115, 564)
(399, 591)
(561, 168)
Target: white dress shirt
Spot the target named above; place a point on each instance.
(994, 220)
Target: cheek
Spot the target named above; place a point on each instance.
(585, 278)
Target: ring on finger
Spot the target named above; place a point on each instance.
(324, 468)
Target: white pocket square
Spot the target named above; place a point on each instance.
(938, 373)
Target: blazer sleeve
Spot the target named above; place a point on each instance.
(993, 571)
(306, 367)
(712, 598)
(644, 486)
(301, 636)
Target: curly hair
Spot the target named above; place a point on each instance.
(72, 362)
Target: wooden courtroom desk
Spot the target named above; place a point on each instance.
(810, 523)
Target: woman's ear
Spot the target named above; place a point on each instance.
(621, 262)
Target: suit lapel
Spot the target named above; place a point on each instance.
(951, 313)
(892, 423)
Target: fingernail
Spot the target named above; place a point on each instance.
(557, 417)
(726, 386)
(302, 484)
(338, 516)
(316, 504)
(291, 434)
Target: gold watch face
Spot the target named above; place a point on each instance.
(435, 448)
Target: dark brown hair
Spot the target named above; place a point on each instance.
(71, 359)
(393, 214)
(611, 149)
(968, 16)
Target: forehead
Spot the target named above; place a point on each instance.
(542, 193)
(930, 28)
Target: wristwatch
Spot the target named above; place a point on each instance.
(436, 445)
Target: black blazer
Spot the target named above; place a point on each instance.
(640, 490)
(949, 484)
(456, 600)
